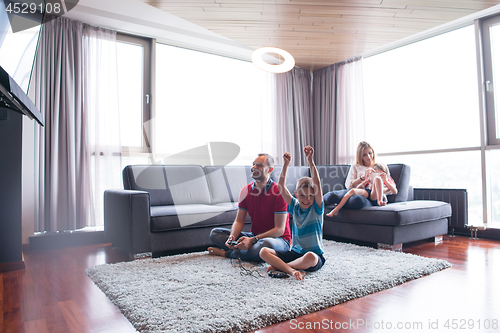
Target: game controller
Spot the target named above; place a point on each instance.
(278, 275)
(232, 242)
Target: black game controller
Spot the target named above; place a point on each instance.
(232, 242)
(278, 275)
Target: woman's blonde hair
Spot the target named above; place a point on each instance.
(359, 153)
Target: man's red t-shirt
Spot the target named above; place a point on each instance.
(262, 205)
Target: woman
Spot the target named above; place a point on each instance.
(365, 159)
(374, 188)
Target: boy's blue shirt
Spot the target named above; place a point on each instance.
(307, 227)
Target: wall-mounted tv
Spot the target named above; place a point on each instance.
(17, 54)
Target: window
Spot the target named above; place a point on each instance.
(461, 170)
(490, 29)
(422, 108)
(491, 42)
(133, 68)
(18, 52)
(202, 98)
(424, 94)
(493, 161)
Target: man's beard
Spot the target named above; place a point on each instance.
(258, 174)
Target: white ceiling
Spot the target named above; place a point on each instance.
(317, 33)
(135, 17)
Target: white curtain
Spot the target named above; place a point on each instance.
(101, 107)
(350, 117)
(74, 80)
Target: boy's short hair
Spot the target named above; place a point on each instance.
(383, 167)
(304, 182)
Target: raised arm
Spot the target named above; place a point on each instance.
(318, 196)
(287, 157)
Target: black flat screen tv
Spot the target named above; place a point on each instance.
(17, 55)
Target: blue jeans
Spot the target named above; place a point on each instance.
(219, 236)
(354, 202)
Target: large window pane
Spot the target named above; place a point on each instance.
(494, 185)
(495, 57)
(203, 98)
(130, 91)
(17, 54)
(461, 170)
(490, 34)
(424, 96)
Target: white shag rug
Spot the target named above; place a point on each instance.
(197, 292)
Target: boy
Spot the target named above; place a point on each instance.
(306, 252)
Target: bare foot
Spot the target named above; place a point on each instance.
(215, 251)
(382, 203)
(333, 212)
(270, 268)
(299, 275)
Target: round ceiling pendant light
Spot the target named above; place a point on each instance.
(257, 59)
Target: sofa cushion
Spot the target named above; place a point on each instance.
(168, 184)
(395, 214)
(293, 174)
(187, 184)
(237, 177)
(333, 177)
(165, 218)
(149, 178)
(226, 182)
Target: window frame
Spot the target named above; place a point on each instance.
(493, 138)
(489, 140)
(147, 86)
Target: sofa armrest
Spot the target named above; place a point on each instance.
(410, 193)
(127, 218)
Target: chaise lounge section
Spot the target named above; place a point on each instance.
(402, 220)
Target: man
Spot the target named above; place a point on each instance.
(268, 213)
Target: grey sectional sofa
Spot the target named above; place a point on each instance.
(172, 208)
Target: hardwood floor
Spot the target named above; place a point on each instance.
(53, 294)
